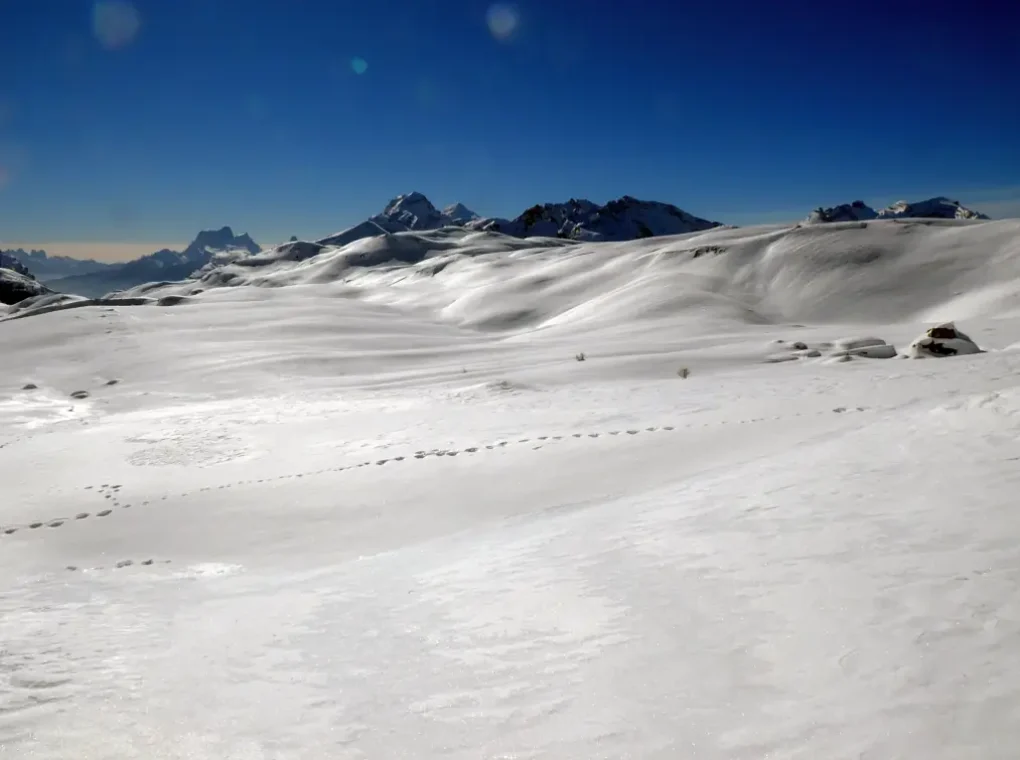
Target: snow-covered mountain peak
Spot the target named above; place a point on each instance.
(413, 211)
(458, 213)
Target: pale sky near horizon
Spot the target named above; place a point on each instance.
(99, 250)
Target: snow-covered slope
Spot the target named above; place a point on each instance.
(770, 274)
(523, 498)
(933, 208)
(163, 265)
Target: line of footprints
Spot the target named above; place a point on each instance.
(111, 493)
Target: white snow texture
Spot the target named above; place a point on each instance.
(449, 493)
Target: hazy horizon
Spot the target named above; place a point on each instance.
(98, 250)
(1003, 203)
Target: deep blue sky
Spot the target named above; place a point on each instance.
(249, 113)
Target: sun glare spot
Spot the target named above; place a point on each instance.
(502, 20)
(115, 23)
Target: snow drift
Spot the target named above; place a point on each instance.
(755, 275)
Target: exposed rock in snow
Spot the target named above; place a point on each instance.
(16, 286)
(933, 208)
(843, 350)
(626, 218)
(941, 341)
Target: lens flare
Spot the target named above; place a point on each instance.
(115, 23)
(502, 20)
(359, 65)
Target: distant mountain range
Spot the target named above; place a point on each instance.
(933, 208)
(46, 267)
(626, 218)
(94, 279)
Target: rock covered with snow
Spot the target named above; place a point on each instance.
(16, 286)
(941, 341)
(11, 262)
(858, 211)
(626, 218)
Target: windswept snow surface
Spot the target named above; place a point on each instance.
(386, 513)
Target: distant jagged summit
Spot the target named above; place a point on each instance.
(175, 265)
(223, 239)
(626, 218)
(161, 266)
(934, 208)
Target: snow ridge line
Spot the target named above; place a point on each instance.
(111, 493)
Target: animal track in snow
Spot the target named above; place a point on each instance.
(111, 492)
(121, 565)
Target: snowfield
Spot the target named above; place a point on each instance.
(369, 503)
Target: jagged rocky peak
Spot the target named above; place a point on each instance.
(625, 218)
(222, 239)
(933, 208)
